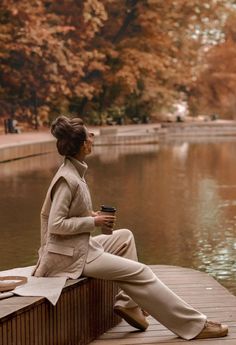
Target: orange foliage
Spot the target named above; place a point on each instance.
(215, 88)
(94, 54)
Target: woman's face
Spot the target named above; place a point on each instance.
(88, 142)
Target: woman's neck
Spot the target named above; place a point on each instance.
(80, 157)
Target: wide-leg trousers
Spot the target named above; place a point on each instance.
(140, 286)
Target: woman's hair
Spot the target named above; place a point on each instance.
(70, 135)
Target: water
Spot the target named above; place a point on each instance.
(179, 199)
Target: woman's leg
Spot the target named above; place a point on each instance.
(120, 243)
(140, 283)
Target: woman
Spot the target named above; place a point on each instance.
(67, 249)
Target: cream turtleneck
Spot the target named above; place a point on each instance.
(81, 167)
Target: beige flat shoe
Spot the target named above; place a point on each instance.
(134, 316)
(213, 330)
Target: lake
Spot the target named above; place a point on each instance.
(178, 198)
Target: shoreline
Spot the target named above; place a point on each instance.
(17, 146)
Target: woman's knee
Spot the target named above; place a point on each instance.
(141, 274)
(148, 274)
(124, 233)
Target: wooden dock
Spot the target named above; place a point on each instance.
(198, 289)
(84, 312)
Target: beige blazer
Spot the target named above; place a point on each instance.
(64, 241)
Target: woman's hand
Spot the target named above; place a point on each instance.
(104, 221)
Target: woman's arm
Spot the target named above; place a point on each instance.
(59, 222)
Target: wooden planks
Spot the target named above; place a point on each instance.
(198, 289)
(83, 312)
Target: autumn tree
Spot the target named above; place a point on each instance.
(92, 57)
(154, 49)
(215, 89)
(45, 56)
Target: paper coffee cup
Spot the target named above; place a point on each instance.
(110, 211)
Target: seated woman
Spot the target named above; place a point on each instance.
(67, 249)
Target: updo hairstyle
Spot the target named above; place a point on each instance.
(70, 135)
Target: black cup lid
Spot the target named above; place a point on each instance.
(106, 208)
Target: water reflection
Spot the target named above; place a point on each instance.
(179, 199)
(110, 154)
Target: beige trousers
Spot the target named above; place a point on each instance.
(140, 286)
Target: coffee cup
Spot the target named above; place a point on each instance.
(110, 211)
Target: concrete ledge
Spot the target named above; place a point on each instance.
(17, 146)
(149, 138)
(83, 312)
(27, 149)
(108, 131)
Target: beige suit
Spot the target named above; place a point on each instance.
(67, 249)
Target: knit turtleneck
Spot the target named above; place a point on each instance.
(81, 167)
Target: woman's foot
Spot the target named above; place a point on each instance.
(213, 330)
(134, 316)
